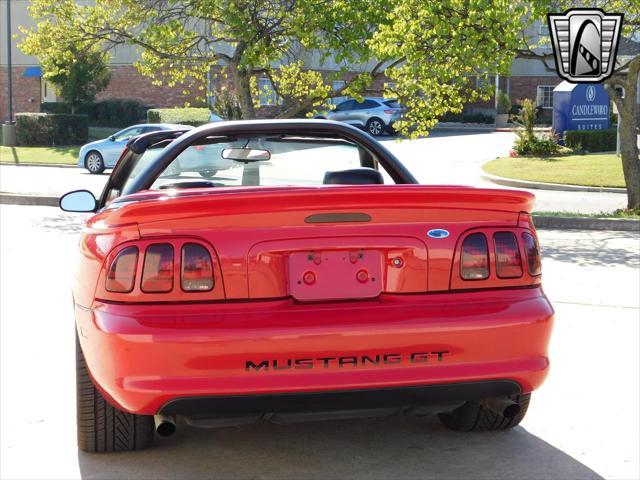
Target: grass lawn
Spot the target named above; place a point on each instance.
(64, 155)
(621, 213)
(18, 155)
(595, 170)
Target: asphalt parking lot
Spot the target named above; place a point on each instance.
(583, 423)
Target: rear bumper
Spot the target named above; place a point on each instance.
(145, 358)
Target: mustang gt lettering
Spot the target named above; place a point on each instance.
(351, 361)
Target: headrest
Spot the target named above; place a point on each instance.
(355, 176)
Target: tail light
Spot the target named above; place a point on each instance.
(199, 148)
(508, 261)
(122, 272)
(390, 112)
(534, 264)
(474, 262)
(172, 270)
(196, 272)
(157, 273)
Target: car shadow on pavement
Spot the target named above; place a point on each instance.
(593, 251)
(392, 447)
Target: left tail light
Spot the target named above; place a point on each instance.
(122, 271)
(178, 269)
(157, 273)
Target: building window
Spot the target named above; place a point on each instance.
(337, 85)
(266, 94)
(545, 96)
(483, 83)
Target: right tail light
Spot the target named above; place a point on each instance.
(474, 261)
(532, 254)
(489, 258)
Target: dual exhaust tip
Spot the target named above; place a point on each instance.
(165, 425)
(502, 406)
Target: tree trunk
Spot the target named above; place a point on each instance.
(242, 84)
(629, 152)
(628, 118)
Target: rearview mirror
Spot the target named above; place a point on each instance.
(78, 201)
(246, 154)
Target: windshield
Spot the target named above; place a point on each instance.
(274, 161)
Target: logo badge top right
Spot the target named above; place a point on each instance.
(585, 43)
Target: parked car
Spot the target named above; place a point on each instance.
(315, 275)
(375, 115)
(101, 154)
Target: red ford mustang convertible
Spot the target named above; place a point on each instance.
(308, 275)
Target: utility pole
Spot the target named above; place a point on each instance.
(9, 129)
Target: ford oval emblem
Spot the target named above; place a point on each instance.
(438, 233)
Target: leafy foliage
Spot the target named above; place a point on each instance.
(182, 116)
(41, 129)
(79, 71)
(504, 102)
(591, 140)
(428, 49)
(107, 113)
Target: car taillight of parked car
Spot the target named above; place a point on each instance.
(532, 254)
(157, 273)
(508, 261)
(196, 271)
(121, 276)
(474, 264)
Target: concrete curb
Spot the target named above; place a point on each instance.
(33, 200)
(586, 223)
(54, 165)
(550, 223)
(512, 182)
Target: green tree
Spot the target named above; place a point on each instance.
(79, 72)
(431, 50)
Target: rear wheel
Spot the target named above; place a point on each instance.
(101, 427)
(473, 417)
(375, 126)
(94, 162)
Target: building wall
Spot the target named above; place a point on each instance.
(127, 82)
(26, 92)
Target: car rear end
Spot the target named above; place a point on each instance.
(390, 111)
(212, 304)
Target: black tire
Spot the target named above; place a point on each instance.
(94, 162)
(375, 126)
(101, 427)
(473, 417)
(208, 173)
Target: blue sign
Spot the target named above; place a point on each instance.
(580, 107)
(32, 72)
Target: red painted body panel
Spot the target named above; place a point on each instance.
(142, 356)
(144, 350)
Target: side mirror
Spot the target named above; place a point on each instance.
(78, 201)
(112, 138)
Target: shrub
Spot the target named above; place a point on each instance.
(182, 116)
(227, 106)
(504, 102)
(117, 113)
(591, 140)
(541, 146)
(477, 118)
(41, 129)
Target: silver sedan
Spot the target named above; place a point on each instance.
(375, 115)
